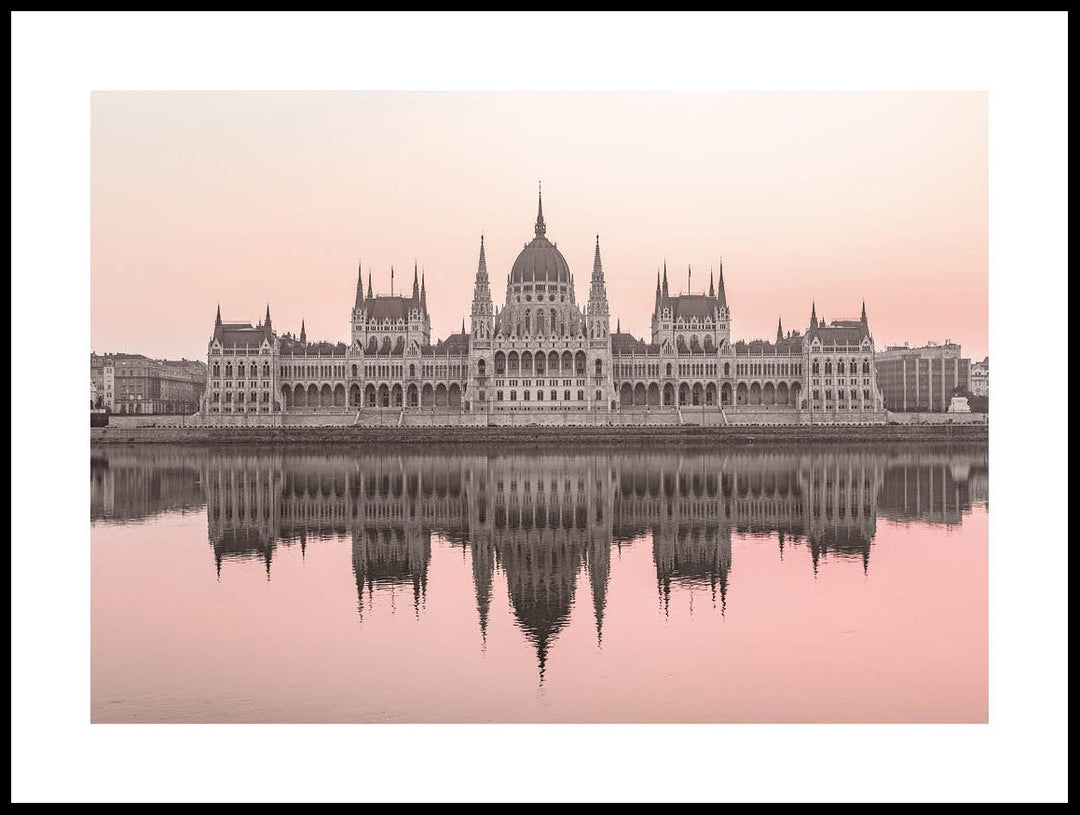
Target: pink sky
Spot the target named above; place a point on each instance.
(248, 198)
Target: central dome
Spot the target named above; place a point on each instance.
(541, 262)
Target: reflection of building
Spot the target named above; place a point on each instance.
(546, 521)
(933, 486)
(129, 485)
(132, 383)
(922, 379)
(541, 357)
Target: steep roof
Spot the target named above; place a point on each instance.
(623, 343)
(239, 335)
(457, 343)
(389, 307)
(289, 347)
(839, 332)
(689, 306)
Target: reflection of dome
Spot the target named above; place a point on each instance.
(540, 261)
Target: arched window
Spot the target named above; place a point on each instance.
(481, 368)
(412, 370)
(669, 369)
(528, 321)
(866, 366)
(727, 369)
(840, 366)
(266, 370)
(228, 370)
(217, 370)
(599, 368)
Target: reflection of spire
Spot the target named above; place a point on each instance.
(599, 574)
(483, 567)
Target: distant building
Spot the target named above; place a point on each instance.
(980, 378)
(922, 379)
(133, 383)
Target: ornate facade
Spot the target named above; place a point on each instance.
(542, 358)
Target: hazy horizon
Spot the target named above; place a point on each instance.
(249, 198)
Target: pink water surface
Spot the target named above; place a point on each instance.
(173, 641)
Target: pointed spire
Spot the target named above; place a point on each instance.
(423, 292)
(391, 281)
(217, 320)
(597, 288)
(370, 293)
(303, 333)
(664, 292)
(656, 303)
(266, 322)
(864, 312)
(415, 283)
(462, 325)
(688, 278)
(779, 330)
(813, 314)
(358, 304)
(712, 289)
(618, 325)
(541, 229)
(721, 293)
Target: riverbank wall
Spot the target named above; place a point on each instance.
(659, 435)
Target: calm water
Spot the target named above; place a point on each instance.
(522, 585)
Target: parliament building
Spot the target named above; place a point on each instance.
(541, 358)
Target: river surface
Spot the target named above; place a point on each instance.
(539, 584)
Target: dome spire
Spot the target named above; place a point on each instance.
(541, 229)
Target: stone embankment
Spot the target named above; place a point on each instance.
(725, 435)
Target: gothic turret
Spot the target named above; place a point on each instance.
(482, 311)
(721, 294)
(303, 333)
(779, 330)
(598, 302)
(813, 315)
